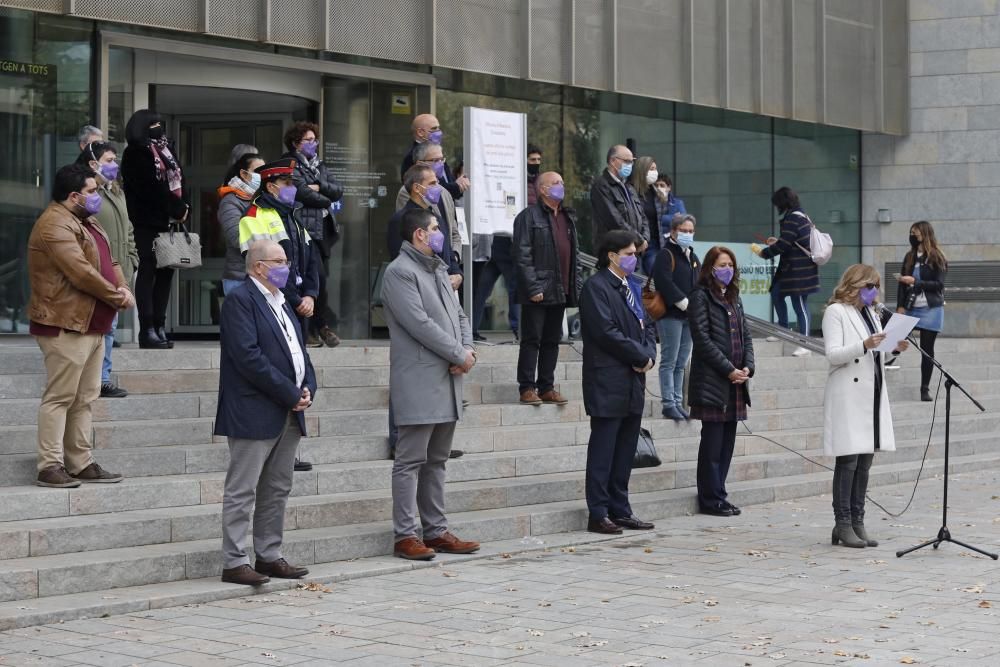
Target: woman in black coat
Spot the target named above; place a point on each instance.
(721, 365)
(317, 190)
(154, 194)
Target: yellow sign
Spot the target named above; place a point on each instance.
(401, 104)
(33, 69)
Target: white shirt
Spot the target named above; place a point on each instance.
(276, 302)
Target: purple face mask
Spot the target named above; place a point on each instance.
(278, 275)
(109, 170)
(557, 192)
(436, 241)
(438, 168)
(627, 263)
(435, 137)
(724, 275)
(309, 148)
(92, 203)
(868, 296)
(286, 194)
(432, 194)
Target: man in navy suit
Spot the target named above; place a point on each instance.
(619, 348)
(266, 382)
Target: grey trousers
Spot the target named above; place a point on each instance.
(261, 470)
(418, 475)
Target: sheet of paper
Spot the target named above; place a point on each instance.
(896, 329)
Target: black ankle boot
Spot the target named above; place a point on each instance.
(150, 340)
(925, 395)
(162, 335)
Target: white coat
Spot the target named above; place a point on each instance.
(848, 406)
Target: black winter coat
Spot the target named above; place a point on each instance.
(797, 273)
(148, 200)
(652, 220)
(613, 343)
(931, 283)
(675, 276)
(315, 213)
(612, 208)
(711, 359)
(536, 259)
(303, 254)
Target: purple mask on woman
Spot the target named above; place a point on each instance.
(868, 295)
(724, 275)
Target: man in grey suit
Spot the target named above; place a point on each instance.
(431, 348)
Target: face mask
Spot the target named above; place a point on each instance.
(724, 275)
(913, 241)
(92, 203)
(278, 275)
(438, 168)
(557, 192)
(254, 181)
(651, 176)
(435, 137)
(533, 169)
(156, 133)
(627, 263)
(662, 193)
(109, 170)
(286, 194)
(625, 171)
(432, 194)
(436, 241)
(868, 296)
(309, 148)
(685, 239)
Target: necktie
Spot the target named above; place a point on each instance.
(630, 300)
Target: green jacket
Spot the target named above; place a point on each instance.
(114, 219)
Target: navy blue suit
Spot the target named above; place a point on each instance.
(614, 341)
(257, 378)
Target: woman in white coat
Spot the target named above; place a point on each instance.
(856, 419)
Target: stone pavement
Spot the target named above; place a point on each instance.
(765, 588)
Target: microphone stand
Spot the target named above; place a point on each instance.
(944, 535)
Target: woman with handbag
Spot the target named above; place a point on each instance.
(856, 418)
(722, 364)
(675, 276)
(921, 294)
(154, 193)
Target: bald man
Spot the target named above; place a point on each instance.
(425, 127)
(548, 281)
(614, 203)
(266, 383)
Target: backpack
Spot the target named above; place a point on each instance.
(820, 244)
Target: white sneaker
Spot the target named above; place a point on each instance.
(772, 339)
(801, 352)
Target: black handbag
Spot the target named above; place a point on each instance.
(645, 451)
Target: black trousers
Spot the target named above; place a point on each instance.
(610, 453)
(541, 331)
(927, 339)
(501, 263)
(321, 308)
(715, 453)
(152, 285)
(850, 485)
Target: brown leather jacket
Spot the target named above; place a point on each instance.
(64, 270)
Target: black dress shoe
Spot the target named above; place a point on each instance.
(456, 454)
(150, 340)
(280, 568)
(604, 526)
(302, 466)
(716, 511)
(163, 336)
(736, 511)
(109, 390)
(244, 574)
(632, 523)
(115, 343)
(479, 338)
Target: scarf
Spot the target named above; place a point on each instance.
(242, 188)
(166, 166)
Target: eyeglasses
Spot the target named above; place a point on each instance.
(618, 157)
(435, 159)
(278, 261)
(873, 286)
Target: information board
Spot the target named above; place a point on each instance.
(496, 164)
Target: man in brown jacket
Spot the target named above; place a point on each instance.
(76, 289)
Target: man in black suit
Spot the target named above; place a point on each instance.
(266, 382)
(619, 348)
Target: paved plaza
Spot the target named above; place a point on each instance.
(765, 588)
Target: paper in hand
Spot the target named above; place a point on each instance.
(896, 329)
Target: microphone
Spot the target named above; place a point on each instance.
(882, 309)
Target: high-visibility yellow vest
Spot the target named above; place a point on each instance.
(261, 223)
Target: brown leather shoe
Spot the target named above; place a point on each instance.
(604, 526)
(56, 477)
(446, 543)
(245, 575)
(530, 397)
(280, 568)
(411, 548)
(95, 474)
(553, 396)
(329, 337)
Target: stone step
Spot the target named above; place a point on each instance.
(51, 588)
(343, 494)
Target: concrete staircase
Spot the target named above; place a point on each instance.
(153, 539)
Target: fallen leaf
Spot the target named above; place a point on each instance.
(907, 660)
(688, 599)
(510, 589)
(831, 641)
(314, 587)
(985, 604)
(711, 603)
(711, 547)
(712, 619)
(776, 656)
(978, 588)
(863, 656)
(544, 604)
(505, 555)
(861, 589)
(961, 650)
(448, 574)
(877, 561)
(536, 633)
(757, 554)
(581, 634)
(267, 655)
(594, 644)
(648, 550)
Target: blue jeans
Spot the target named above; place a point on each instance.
(648, 259)
(228, 285)
(109, 340)
(675, 350)
(798, 305)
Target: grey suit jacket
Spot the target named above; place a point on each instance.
(429, 333)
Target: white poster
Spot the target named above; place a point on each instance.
(496, 164)
(755, 276)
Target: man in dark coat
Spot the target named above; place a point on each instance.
(425, 193)
(548, 280)
(613, 202)
(266, 382)
(426, 127)
(619, 348)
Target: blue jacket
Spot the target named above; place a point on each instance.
(613, 343)
(257, 379)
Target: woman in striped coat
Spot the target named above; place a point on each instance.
(797, 276)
